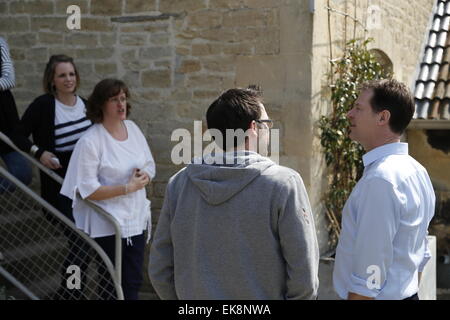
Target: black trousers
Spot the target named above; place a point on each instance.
(132, 264)
(413, 297)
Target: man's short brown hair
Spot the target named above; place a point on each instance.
(395, 97)
(234, 109)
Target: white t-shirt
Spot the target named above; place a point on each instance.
(100, 160)
(70, 124)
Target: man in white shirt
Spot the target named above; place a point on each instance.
(382, 248)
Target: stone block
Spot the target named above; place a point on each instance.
(269, 44)
(173, 6)
(160, 39)
(182, 51)
(155, 53)
(221, 34)
(81, 39)
(3, 8)
(156, 78)
(189, 66)
(244, 18)
(108, 39)
(94, 54)
(204, 81)
(222, 64)
(23, 40)
(131, 78)
(127, 54)
(50, 38)
(244, 48)
(54, 24)
(62, 5)
(105, 68)
(17, 54)
(206, 49)
(226, 4)
(37, 54)
(135, 65)
(205, 19)
(16, 24)
(133, 39)
(96, 24)
(162, 64)
(152, 27)
(35, 7)
(261, 3)
(106, 7)
(139, 6)
(209, 95)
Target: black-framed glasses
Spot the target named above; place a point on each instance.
(268, 122)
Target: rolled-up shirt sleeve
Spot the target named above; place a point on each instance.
(378, 217)
(87, 162)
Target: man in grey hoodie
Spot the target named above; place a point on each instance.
(240, 228)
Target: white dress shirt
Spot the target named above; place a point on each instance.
(383, 245)
(100, 160)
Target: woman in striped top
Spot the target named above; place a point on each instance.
(56, 120)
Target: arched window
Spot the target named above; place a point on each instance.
(384, 61)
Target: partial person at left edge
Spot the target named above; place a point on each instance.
(16, 164)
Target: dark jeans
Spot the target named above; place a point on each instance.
(19, 167)
(132, 263)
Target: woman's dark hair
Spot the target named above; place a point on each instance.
(49, 73)
(104, 90)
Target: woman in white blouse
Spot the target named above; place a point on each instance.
(111, 165)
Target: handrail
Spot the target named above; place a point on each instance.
(117, 269)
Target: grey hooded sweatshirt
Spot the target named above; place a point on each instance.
(241, 231)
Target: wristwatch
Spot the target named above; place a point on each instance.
(34, 149)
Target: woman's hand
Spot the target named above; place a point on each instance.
(138, 180)
(48, 161)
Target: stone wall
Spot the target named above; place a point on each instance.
(178, 55)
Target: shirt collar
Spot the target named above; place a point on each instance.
(383, 151)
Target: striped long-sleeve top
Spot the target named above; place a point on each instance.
(7, 75)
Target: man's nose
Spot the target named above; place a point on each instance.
(350, 113)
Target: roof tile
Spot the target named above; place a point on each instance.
(432, 92)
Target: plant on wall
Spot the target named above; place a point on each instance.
(343, 156)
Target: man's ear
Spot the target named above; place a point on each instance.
(252, 125)
(383, 117)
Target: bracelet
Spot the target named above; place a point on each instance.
(34, 149)
(126, 189)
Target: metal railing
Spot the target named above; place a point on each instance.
(45, 256)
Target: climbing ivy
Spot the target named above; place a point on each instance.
(344, 156)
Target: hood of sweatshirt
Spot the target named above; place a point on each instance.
(220, 177)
